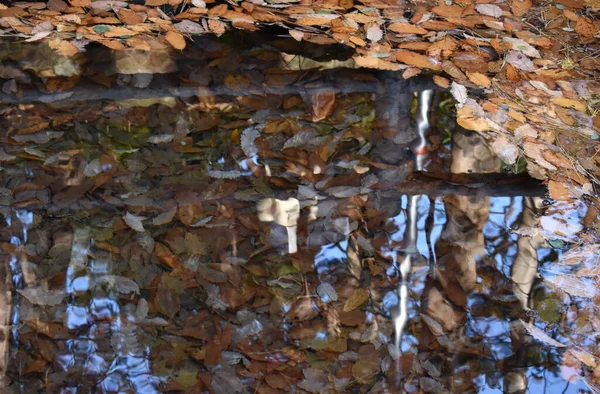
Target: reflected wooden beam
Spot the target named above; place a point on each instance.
(164, 88)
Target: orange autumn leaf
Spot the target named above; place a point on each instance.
(479, 79)
(314, 21)
(411, 72)
(216, 26)
(406, 28)
(585, 27)
(130, 17)
(176, 39)
(418, 60)
(558, 191)
(441, 81)
(520, 7)
(375, 62)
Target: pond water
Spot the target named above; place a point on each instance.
(273, 244)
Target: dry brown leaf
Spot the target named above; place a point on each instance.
(448, 11)
(176, 39)
(441, 81)
(479, 79)
(585, 27)
(411, 72)
(520, 7)
(443, 47)
(356, 299)
(217, 11)
(468, 119)
(130, 17)
(216, 26)
(406, 28)
(418, 60)
(314, 21)
(375, 62)
(558, 191)
(118, 31)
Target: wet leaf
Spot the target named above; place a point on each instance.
(573, 285)
(540, 335)
(119, 283)
(326, 292)
(41, 296)
(134, 221)
(322, 105)
(356, 299)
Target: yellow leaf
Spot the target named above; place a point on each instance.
(479, 79)
(569, 103)
(176, 39)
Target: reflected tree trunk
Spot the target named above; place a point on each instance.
(524, 269)
(5, 316)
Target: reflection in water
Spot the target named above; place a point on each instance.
(184, 251)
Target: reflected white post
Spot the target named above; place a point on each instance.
(419, 145)
(405, 267)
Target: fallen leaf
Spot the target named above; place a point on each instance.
(406, 28)
(479, 79)
(63, 47)
(374, 33)
(585, 27)
(459, 92)
(570, 103)
(540, 335)
(411, 72)
(489, 10)
(176, 39)
(41, 296)
(326, 292)
(417, 60)
(322, 105)
(356, 299)
(520, 7)
(441, 81)
(520, 61)
(558, 191)
(573, 285)
(134, 221)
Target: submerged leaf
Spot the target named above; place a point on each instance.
(134, 221)
(540, 335)
(40, 296)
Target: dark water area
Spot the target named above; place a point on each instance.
(301, 242)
